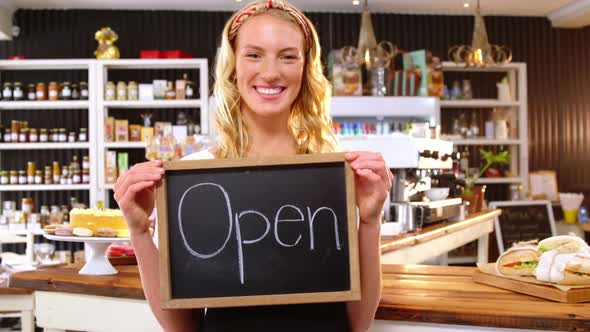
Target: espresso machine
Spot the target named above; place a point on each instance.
(417, 165)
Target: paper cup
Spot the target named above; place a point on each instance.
(570, 216)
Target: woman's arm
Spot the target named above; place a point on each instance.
(372, 183)
(134, 192)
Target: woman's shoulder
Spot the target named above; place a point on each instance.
(203, 154)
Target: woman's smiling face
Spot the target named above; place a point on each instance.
(269, 64)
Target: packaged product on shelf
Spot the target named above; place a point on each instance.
(134, 133)
(122, 163)
(170, 92)
(109, 91)
(4, 179)
(53, 91)
(18, 93)
(23, 135)
(76, 176)
(33, 137)
(31, 93)
(147, 133)
(41, 91)
(146, 92)
(163, 129)
(75, 164)
(13, 177)
(109, 129)
(121, 90)
(31, 170)
(75, 92)
(48, 175)
(159, 89)
(85, 162)
(7, 135)
(38, 177)
(121, 130)
(85, 176)
(72, 137)
(132, 91)
(62, 136)
(43, 136)
(65, 92)
(180, 89)
(110, 166)
(7, 91)
(84, 90)
(65, 175)
(83, 135)
(56, 173)
(22, 177)
(17, 222)
(189, 91)
(54, 136)
(346, 79)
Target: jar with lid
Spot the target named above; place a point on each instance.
(27, 205)
(13, 179)
(132, 91)
(31, 170)
(121, 91)
(15, 127)
(75, 164)
(65, 91)
(38, 177)
(7, 91)
(53, 91)
(65, 175)
(23, 135)
(85, 162)
(109, 91)
(43, 137)
(41, 91)
(189, 89)
(75, 92)
(44, 212)
(54, 136)
(4, 177)
(62, 137)
(76, 176)
(7, 135)
(18, 94)
(33, 137)
(83, 90)
(85, 176)
(56, 173)
(31, 93)
(65, 213)
(83, 135)
(170, 93)
(48, 175)
(22, 177)
(72, 137)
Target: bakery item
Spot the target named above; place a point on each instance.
(82, 231)
(106, 232)
(564, 269)
(95, 218)
(50, 229)
(64, 231)
(519, 260)
(564, 244)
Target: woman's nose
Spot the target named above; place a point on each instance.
(270, 70)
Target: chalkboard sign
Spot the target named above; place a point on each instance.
(523, 221)
(258, 232)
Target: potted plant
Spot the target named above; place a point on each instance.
(474, 194)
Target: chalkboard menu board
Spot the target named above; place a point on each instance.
(258, 232)
(523, 221)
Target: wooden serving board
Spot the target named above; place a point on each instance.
(574, 295)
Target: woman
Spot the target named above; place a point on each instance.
(273, 99)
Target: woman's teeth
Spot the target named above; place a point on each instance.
(266, 91)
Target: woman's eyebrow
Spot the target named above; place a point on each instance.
(258, 48)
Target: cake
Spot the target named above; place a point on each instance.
(94, 219)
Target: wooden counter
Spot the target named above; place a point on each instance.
(18, 302)
(447, 295)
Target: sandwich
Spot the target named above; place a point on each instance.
(564, 269)
(564, 244)
(520, 260)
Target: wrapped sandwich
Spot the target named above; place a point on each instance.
(520, 260)
(564, 268)
(565, 244)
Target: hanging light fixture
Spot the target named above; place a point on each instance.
(480, 53)
(368, 52)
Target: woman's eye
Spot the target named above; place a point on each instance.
(253, 56)
(290, 57)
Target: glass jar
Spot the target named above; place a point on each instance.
(132, 91)
(33, 137)
(53, 91)
(31, 93)
(85, 162)
(54, 137)
(65, 91)
(83, 135)
(72, 137)
(18, 94)
(38, 177)
(75, 92)
(170, 93)
(15, 127)
(121, 91)
(22, 177)
(41, 91)
(467, 91)
(48, 175)
(31, 170)
(4, 177)
(76, 176)
(189, 90)
(7, 135)
(83, 90)
(109, 91)
(7, 91)
(65, 175)
(27, 205)
(85, 176)
(23, 135)
(56, 173)
(43, 136)
(62, 136)
(13, 178)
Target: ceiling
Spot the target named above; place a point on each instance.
(454, 7)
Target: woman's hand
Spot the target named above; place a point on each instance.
(373, 181)
(135, 194)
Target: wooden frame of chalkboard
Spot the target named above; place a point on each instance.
(523, 210)
(170, 296)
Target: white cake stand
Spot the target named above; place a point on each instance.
(97, 262)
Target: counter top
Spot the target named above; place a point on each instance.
(447, 295)
(435, 231)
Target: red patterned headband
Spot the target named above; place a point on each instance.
(259, 7)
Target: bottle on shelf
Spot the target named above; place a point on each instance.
(464, 163)
(473, 126)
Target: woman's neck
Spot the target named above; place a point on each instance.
(269, 136)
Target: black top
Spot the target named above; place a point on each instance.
(320, 317)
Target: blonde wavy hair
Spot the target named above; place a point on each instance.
(309, 120)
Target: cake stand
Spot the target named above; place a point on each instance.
(97, 262)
